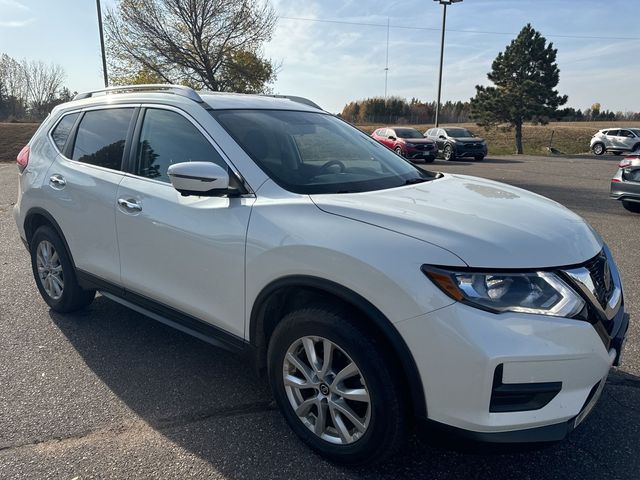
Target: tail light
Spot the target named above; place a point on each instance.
(628, 161)
(23, 158)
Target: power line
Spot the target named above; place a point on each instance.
(404, 27)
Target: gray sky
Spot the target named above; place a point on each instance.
(333, 63)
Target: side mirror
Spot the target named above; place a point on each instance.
(442, 137)
(391, 137)
(204, 179)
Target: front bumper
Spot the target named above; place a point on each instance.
(458, 348)
(413, 153)
(469, 151)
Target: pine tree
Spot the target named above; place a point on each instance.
(525, 77)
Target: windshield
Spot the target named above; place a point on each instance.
(408, 133)
(636, 131)
(307, 152)
(458, 132)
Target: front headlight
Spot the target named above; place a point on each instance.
(543, 293)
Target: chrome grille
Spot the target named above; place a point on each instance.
(601, 275)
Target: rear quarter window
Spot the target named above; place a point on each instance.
(60, 133)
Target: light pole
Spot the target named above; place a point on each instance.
(104, 58)
(444, 3)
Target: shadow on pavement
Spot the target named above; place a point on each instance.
(210, 403)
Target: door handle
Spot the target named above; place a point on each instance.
(130, 205)
(57, 181)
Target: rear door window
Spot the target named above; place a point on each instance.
(612, 133)
(101, 137)
(60, 133)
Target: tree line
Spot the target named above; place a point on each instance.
(400, 111)
(29, 89)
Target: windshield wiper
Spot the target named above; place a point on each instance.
(413, 181)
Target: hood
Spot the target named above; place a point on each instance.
(485, 223)
(417, 140)
(468, 139)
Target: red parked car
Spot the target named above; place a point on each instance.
(407, 142)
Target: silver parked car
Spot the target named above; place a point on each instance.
(625, 185)
(616, 141)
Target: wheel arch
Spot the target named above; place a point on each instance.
(281, 296)
(37, 217)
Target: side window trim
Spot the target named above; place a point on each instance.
(135, 140)
(67, 152)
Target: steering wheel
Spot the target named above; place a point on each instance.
(331, 163)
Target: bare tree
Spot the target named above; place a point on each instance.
(43, 83)
(215, 44)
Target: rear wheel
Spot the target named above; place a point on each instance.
(631, 206)
(636, 147)
(54, 273)
(448, 154)
(336, 386)
(598, 148)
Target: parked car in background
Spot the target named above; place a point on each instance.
(616, 141)
(457, 142)
(625, 185)
(407, 142)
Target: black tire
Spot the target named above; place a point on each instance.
(617, 153)
(429, 159)
(598, 148)
(448, 154)
(72, 297)
(631, 206)
(387, 428)
(478, 158)
(636, 147)
(398, 150)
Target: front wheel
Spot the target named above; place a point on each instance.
(448, 154)
(479, 158)
(631, 206)
(337, 387)
(598, 149)
(54, 273)
(398, 150)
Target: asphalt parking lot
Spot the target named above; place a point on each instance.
(109, 393)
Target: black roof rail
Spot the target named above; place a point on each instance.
(293, 98)
(181, 90)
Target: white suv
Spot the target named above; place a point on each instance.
(616, 141)
(373, 292)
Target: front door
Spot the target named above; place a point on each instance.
(183, 252)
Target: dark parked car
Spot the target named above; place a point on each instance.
(457, 143)
(625, 185)
(407, 142)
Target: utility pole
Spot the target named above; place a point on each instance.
(104, 57)
(444, 3)
(386, 65)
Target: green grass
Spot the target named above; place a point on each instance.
(569, 137)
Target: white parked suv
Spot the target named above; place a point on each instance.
(375, 294)
(616, 141)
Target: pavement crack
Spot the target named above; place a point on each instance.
(158, 424)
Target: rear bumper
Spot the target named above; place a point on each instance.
(625, 191)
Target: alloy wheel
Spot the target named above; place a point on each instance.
(326, 390)
(50, 269)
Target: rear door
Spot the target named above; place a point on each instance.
(82, 185)
(186, 253)
(611, 139)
